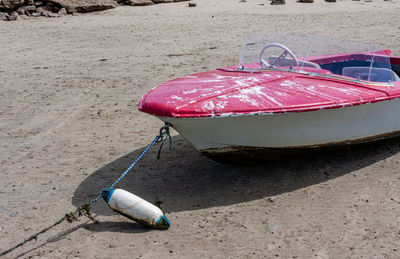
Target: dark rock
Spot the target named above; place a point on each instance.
(13, 16)
(278, 2)
(10, 4)
(48, 11)
(70, 9)
(56, 8)
(83, 6)
(26, 8)
(62, 11)
(139, 2)
(50, 14)
(44, 8)
(162, 1)
(307, 1)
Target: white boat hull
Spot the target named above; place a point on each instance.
(292, 130)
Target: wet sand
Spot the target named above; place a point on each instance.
(70, 125)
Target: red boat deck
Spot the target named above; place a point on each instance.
(228, 92)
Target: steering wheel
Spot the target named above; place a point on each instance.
(281, 58)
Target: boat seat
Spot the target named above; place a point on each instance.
(309, 64)
(289, 62)
(378, 74)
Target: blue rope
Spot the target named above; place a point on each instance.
(84, 209)
(134, 163)
(163, 131)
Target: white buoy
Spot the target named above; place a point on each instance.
(135, 208)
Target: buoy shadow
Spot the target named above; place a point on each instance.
(116, 226)
(184, 179)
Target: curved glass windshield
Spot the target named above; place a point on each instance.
(361, 62)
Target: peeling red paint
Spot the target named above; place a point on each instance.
(228, 92)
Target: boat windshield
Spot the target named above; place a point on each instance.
(350, 60)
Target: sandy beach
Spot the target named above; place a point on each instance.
(70, 126)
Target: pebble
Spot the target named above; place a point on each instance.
(278, 2)
(35, 14)
(12, 17)
(36, 131)
(3, 16)
(26, 8)
(62, 11)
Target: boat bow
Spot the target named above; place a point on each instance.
(226, 92)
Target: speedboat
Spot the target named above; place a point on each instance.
(274, 100)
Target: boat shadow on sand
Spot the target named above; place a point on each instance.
(183, 179)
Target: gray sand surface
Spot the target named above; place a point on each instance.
(69, 89)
